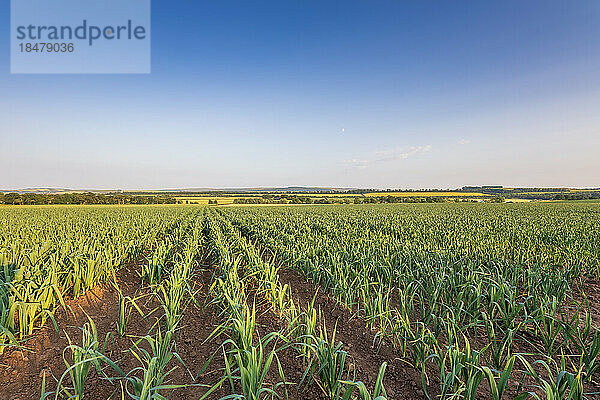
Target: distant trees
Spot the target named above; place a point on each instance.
(81, 198)
(400, 199)
(577, 196)
(276, 199)
(294, 199)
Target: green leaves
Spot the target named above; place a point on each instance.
(558, 384)
(328, 365)
(422, 276)
(250, 367)
(49, 254)
(363, 392)
(499, 384)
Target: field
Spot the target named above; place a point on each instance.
(425, 194)
(220, 200)
(227, 199)
(403, 301)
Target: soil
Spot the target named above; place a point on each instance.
(198, 322)
(401, 381)
(21, 371)
(589, 293)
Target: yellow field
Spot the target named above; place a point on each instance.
(229, 198)
(327, 194)
(268, 205)
(396, 194)
(204, 199)
(424, 194)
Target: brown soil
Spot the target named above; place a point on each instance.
(199, 321)
(590, 290)
(401, 381)
(21, 371)
(293, 367)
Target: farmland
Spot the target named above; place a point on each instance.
(330, 198)
(401, 301)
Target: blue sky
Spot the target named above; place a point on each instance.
(401, 94)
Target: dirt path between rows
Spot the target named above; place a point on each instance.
(268, 321)
(198, 322)
(401, 381)
(21, 372)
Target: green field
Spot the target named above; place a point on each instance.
(469, 300)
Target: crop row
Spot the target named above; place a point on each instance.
(468, 290)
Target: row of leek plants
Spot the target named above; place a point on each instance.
(49, 255)
(156, 352)
(326, 362)
(429, 302)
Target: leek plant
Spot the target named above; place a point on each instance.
(154, 367)
(328, 366)
(378, 391)
(250, 366)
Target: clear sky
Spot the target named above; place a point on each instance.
(390, 94)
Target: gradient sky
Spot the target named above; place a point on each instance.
(389, 94)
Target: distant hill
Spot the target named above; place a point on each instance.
(184, 190)
(39, 190)
(54, 191)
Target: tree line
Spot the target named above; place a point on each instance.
(81, 198)
(291, 199)
(577, 196)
